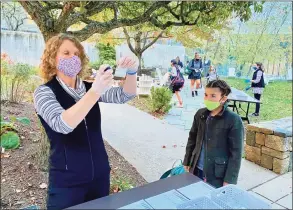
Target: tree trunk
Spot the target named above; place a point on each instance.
(139, 56)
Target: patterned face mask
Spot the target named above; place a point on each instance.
(69, 66)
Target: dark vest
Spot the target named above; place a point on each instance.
(261, 83)
(80, 156)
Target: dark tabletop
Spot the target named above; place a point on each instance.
(241, 96)
(127, 197)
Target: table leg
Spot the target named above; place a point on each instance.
(234, 105)
(247, 112)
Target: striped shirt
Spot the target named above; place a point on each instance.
(50, 110)
(258, 90)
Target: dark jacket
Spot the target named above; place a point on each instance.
(261, 83)
(180, 64)
(223, 148)
(80, 156)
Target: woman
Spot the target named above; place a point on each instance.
(257, 85)
(177, 81)
(214, 147)
(195, 65)
(69, 111)
(212, 74)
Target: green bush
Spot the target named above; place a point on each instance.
(107, 55)
(161, 99)
(15, 81)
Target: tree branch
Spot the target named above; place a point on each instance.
(103, 27)
(153, 41)
(128, 40)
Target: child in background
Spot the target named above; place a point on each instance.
(212, 74)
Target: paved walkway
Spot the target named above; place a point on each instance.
(152, 145)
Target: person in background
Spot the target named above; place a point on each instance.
(179, 63)
(212, 74)
(196, 66)
(257, 84)
(177, 81)
(214, 147)
(69, 111)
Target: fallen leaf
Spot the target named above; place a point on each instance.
(43, 185)
(5, 155)
(19, 202)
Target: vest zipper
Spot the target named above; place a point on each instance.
(90, 148)
(65, 154)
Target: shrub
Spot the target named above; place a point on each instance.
(14, 82)
(119, 184)
(161, 99)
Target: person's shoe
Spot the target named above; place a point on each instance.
(196, 93)
(180, 104)
(255, 114)
(192, 93)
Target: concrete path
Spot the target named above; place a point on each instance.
(152, 145)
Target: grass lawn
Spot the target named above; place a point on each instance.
(276, 99)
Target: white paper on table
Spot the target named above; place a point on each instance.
(196, 190)
(137, 205)
(167, 200)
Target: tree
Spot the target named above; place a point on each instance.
(13, 14)
(259, 39)
(53, 17)
(143, 38)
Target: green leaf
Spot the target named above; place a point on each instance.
(24, 120)
(10, 140)
(12, 118)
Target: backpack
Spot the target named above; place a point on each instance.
(174, 171)
(177, 80)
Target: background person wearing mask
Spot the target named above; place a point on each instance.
(215, 142)
(196, 66)
(257, 85)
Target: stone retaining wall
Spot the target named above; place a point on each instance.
(269, 144)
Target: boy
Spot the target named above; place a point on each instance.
(214, 147)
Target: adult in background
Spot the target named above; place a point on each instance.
(196, 67)
(179, 63)
(68, 109)
(257, 84)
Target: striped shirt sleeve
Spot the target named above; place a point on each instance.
(50, 109)
(116, 95)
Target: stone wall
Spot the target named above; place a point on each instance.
(269, 144)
